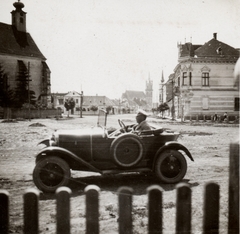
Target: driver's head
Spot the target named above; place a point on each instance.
(141, 116)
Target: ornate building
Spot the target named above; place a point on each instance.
(204, 79)
(18, 52)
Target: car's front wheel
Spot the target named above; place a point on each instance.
(50, 173)
(170, 166)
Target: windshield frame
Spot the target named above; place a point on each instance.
(102, 118)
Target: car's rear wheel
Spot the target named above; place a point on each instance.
(50, 173)
(170, 166)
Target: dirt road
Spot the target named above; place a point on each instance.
(209, 145)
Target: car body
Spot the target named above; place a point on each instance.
(97, 149)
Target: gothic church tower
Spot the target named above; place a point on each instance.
(149, 92)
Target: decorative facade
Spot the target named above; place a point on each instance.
(203, 81)
(18, 52)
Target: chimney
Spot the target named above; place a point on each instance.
(215, 36)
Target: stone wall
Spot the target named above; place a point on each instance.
(30, 114)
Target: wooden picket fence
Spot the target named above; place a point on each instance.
(155, 214)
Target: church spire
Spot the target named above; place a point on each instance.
(19, 17)
(162, 80)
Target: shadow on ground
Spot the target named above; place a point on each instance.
(138, 182)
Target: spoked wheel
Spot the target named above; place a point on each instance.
(170, 167)
(51, 173)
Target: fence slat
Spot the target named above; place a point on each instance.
(4, 211)
(155, 209)
(211, 209)
(31, 199)
(125, 210)
(63, 210)
(92, 209)
(183, 206)
(233, 201)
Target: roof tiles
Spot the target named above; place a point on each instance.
(15, 42)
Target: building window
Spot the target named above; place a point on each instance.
(236, 104)
(77, 101)
(60, 100)
(178, 81)
(205, 79)
(190, 78)
(21, 20)
(184, 78)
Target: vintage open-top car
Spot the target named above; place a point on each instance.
(99, 150)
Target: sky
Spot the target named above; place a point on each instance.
(105, 47)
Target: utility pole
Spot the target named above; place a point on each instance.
(162, 81)
(173, 107)
(81, 102)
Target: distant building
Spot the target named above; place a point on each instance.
(138, 99)
(149, 93)
(18, 51)
(134, 100)
(203, 81)
(88, 102)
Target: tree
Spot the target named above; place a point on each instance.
(163, 107)
(6, 95)
(108, 109)
(94, 108)
(69, 105)
(22, 93)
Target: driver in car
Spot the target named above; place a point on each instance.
(142, 124)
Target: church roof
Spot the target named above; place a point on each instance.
(14, 42)
(133, 94)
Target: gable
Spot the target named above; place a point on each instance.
(72, 94)
(205, 69)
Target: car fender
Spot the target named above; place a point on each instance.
(45, 142)
(64, 154)
(173, 145)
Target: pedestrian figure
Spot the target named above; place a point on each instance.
(215, 117)
(225, 116)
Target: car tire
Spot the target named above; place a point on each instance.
(170, 167)
(51, 173)
(127, 150)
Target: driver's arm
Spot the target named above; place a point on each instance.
(131, 128)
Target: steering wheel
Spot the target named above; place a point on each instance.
(122, 125)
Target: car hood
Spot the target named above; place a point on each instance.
(85, 133)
